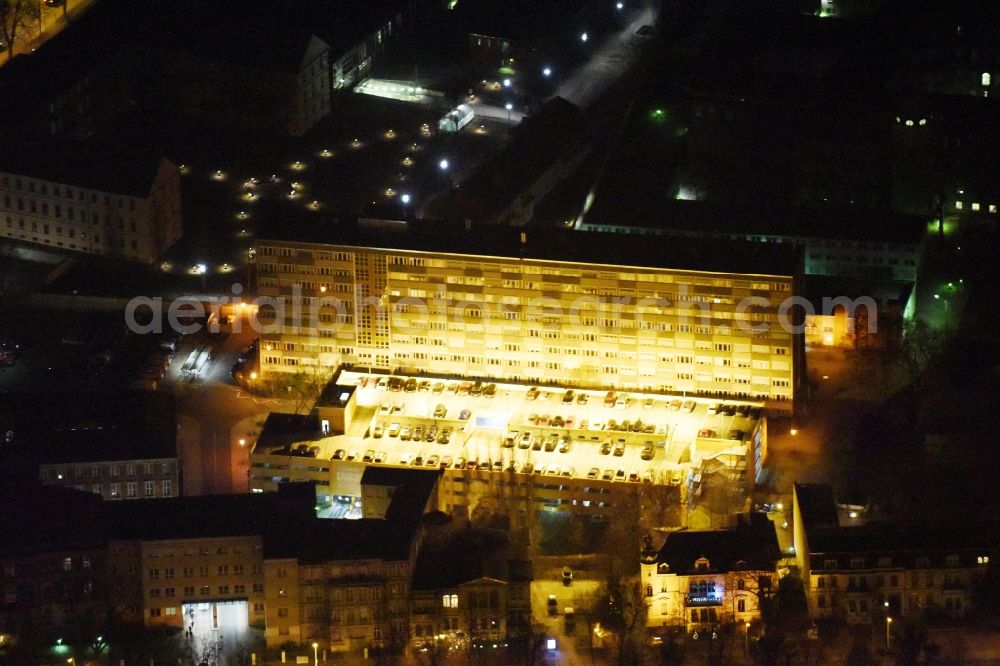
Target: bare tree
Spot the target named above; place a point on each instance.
(16, 17)
(619, 608)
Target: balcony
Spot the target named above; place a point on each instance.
(698, 601)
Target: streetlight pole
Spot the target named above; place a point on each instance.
(888, 637)
(315, 654)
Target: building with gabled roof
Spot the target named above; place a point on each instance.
(867, 572)
(701, 579)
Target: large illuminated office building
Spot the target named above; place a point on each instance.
(685, 316)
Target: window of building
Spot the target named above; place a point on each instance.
(449, 600)
(67, 564)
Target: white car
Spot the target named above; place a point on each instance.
(393, 430)
(405, 458)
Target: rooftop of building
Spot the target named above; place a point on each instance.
(557, 245)
(285, 521)
(904, 543)
(555, 132)
(281, 429)
(612, 207)
(816, 505)
(227, 32)
(107, 167)
(519, 20)
(751, 546)
(883, 292)
(93, 427)
(471, 554)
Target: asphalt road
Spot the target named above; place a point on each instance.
(213, 416)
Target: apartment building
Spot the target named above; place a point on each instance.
(865, 573)
(483, 597)
(695, 317)
(135, 218)
(121, 445)
(235, 567)
(702, 579)
(869, 246)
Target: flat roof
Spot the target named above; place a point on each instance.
(557, 131)
(558, 245)
(281, 429)
(517, 19)
(93, 427)
(703, 217)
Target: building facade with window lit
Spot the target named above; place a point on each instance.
(701, 580)
(601, 310)
(865, 573)
(138, 222)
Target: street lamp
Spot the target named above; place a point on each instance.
(746, 639)
(509, 107)
(888, 623)
(584, 37)
(316, 653)
(443, 164)
(547, 72)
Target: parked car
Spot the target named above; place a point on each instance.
(445, 436)
(688, 406)
(581, 399)
(565, 444)
(476, 389)
(525, 441)
(736, 435)
(424, 386)
(647, 452)
(440, 411)
(593, 473)
(706, 432)
(339, 454)
(609, 399)
(404, 434)
(432, 433)
(557, 422)
(438, 388)
(378, 431)
(369, 456)
(379, 457)
(647, 403)
(410, 386)
(567, 398)
(551, 442)
(393, 430)
(567, 576)
(633, 476)
(531, 393)
(606, 447)
(446, 462)
(418, 433)
(619, 448)
(490, 390)
(608, 475)
(433, 460)
(464, 415)
(510, 440)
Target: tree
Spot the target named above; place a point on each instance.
(620, 609)
(16, 17)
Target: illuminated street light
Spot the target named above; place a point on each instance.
(793, 432)
(443, 165)
(888, 637)
(584, 38)
(620, 6)
(316, 654)
(405, 199)
(243, 442)
(547, 72)
(506, 83)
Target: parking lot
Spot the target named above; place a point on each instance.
(516, 428)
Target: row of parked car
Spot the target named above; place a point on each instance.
(412, 385)
(417, 433)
